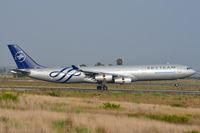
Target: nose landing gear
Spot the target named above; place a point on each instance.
(177, 85)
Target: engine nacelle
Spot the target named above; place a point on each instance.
(123, 80)
(104, 77)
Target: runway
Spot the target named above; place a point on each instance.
(24, 88)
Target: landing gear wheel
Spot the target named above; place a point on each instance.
(98, 87)
(102, 87)
(176, 85)
(105, 87)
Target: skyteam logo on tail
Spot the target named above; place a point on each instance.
(20, 56)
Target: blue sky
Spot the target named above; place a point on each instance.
(65, 32)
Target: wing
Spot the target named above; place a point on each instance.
(93, 73)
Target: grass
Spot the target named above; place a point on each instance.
(82, 129)
(171, 118)
(63, 126)
(4, 119)
(60, 107)
(174, 100)
(32, 110)
(192, 131)
(178, 105)
(150, 98)
(157, 94)
(130, 115)
(100, 130)
(78, 110)
(54, 93)
(8, 96)
(59, 124)
(109, 105)
(97, 112)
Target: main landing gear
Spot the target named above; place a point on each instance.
(177, 85)
(102, 86)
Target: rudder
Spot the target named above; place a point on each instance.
(22, 60)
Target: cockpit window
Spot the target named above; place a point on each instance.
(188, 68)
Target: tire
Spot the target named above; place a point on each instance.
(176, 85)
(98, 87)
(105, 88)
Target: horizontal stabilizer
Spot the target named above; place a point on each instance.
(20, 72)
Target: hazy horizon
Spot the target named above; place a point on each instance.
(58, 33)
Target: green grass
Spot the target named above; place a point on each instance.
(62, 126)
(82, 129)
(66, 126)
(157, 94)
(100, 130)
(55, 93)
(61, 107)
(59, 124)
(4, 119)
(170, 118)
(193, 131)
(178, 105)
(109, 105)
(130, 115)
(174, 100)
(78, 110)
(8, 96)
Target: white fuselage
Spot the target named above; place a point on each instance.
(135, 73)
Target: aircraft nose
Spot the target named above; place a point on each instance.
(192, 72)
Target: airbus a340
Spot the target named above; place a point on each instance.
(99, 74)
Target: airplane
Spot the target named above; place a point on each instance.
(100, 75)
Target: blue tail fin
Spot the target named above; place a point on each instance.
(23, 60)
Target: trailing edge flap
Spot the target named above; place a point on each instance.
(20, 72)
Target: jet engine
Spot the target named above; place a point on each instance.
(104, 77)
(122, 80)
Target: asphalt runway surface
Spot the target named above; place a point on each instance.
(190, 92)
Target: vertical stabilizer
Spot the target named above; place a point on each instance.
(22, 60)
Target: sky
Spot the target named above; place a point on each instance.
(65, 32)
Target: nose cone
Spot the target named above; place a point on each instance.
(192, 72)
